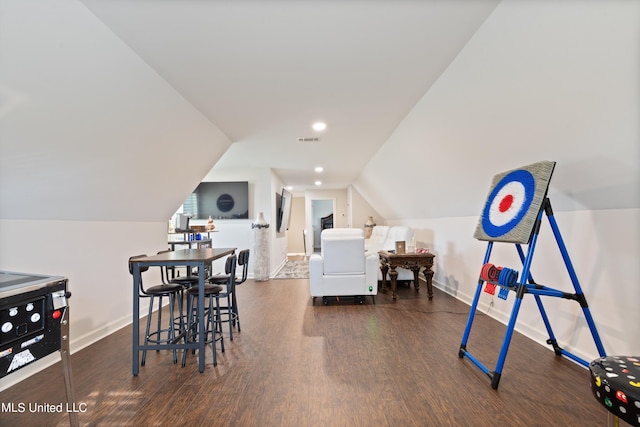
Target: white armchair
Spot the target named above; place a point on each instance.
(342, 268)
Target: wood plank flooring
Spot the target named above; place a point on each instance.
(294, 364)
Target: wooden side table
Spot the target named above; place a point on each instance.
(411, 261)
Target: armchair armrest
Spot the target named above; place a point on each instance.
(315, 275)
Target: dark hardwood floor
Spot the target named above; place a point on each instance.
(294, 364)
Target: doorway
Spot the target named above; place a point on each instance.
(322, 212)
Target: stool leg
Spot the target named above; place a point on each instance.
(236, 318)
(613, 420)
(211, 327)
(219, 323)
(187, 330)
(146, 332)
(181, 307)
(160, 320)
(172, 330)
(230, 316)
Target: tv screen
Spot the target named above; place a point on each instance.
(284, 211)
(218, 200)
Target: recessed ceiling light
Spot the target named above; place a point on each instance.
(319, 126)
(318, 183)
(319, 169)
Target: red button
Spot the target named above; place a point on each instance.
(56, 314)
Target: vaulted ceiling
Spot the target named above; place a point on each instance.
(116, 109)
(264, 71)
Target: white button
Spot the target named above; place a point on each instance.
(30, 307)
(13, 311)
(7, 326)
(35, 317)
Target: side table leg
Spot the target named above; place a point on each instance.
(428, 275)
(394, 282)
(416, 280)
(384, 269)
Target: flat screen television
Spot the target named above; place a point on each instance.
(218, 200)
(284, 210)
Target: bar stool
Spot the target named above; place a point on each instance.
(228, 309)
(213, 323)
(243, 260)
(615, 382)
(173, 292)
(167, 274)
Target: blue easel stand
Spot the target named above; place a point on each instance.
(526, 285)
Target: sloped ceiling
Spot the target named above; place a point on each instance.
(264, 71)
(538, 81)
(88, 130)
(116, 109)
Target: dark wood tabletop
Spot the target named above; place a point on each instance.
(187, 255)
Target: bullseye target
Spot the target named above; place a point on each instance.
(508, 203)
(513, 203)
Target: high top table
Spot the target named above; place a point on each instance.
(182, 258)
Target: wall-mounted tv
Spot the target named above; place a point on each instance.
(218, 200)
(284, 210)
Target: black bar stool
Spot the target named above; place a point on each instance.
(213, 323)
(173, 292)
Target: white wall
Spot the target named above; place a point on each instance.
(360, 209)
(94, 256)
(79, 106)
(93, 147)
(538, 81)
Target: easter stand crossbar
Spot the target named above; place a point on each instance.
(513, 214)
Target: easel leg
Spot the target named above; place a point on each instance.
(495, 379)
(574, 280)
(474, 306)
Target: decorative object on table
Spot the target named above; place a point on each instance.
(261, 248)
(182, 222)
(368, 227)
(512, 213)
(210, 225)
(615, 382)
(400, 247)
